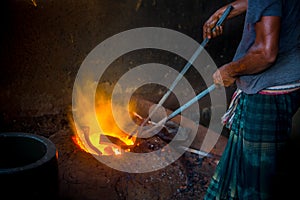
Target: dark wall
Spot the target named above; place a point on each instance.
(43, 46)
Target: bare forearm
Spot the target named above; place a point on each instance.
(262, 53)
(253, 62)
(239, 7)
(258, 58)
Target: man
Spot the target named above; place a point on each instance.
(266, 71)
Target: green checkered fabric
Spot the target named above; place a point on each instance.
(260, 128)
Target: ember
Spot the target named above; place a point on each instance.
(111, 139)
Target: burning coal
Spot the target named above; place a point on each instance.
(110, 139)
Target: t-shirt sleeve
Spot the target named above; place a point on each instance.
(258, 8)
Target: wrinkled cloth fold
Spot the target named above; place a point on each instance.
(260, 127)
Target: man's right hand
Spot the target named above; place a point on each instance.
(222, 76)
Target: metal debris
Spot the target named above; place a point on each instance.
(34, 3)
(138, 5)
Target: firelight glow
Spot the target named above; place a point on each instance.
(97, 143)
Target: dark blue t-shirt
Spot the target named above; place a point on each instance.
(286, 69)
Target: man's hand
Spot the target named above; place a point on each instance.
(222, 77)
(210, 24)
(239, 6)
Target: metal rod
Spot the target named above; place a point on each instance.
(182, 108)
(184, 70)
(190, 102)
(196, 151)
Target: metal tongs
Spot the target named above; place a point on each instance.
(183, 71)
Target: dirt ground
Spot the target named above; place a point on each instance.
(44, 42)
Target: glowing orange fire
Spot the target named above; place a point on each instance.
(99, 143)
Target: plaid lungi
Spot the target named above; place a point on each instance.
(260, 128)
